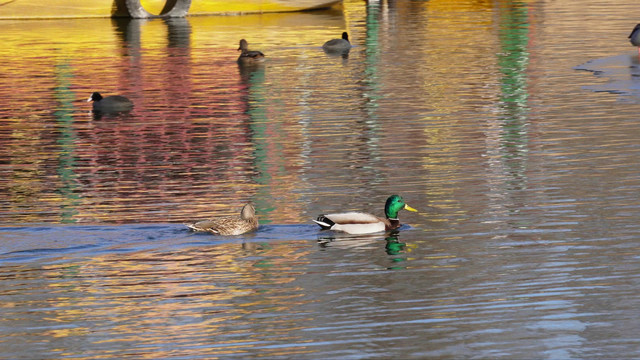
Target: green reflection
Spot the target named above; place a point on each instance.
(394, 246)
(66, 144)
(396, 249)
(253, 76)
(372, 57)
(513, 61)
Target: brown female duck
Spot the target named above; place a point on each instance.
(249, 56)
(229, 225)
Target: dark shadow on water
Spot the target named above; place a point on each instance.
(389, 242)
(251, 73)
(622, 73)
(337, 54)
(49, 243)
(393, 245)
(130, 31)
(98, 115)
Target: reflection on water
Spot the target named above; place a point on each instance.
(525, 179)
(115, 300)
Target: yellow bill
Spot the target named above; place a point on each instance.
(407, 207)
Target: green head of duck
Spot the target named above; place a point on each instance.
(394, 204)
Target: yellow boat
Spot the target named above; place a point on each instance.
(47, 9)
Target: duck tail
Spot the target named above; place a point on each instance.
(192, 227)
(324, 222)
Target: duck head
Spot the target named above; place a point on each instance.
(244, 45)
(95, 97)
(248, 212)
(394, 204)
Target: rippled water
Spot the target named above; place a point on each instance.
(524, 169)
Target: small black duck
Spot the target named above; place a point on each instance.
(338, 45)
(634, 37)
(110, 104)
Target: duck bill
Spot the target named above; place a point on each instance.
(407, 207)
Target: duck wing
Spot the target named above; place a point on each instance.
(225, 225)
(204, 225)
(353, 218)
(253, 54)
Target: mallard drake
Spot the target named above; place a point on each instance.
(634, 37)
(248, 56)
(110, 104)
(363, 223)
(338, 45)
(229, 225)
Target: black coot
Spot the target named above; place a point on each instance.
(110, 104)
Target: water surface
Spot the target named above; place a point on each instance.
(523, 167)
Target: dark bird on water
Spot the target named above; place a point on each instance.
(249, 56)
(634, 37)
(338, 45)
(110, 104)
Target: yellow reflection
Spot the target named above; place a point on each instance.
(158, 62)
